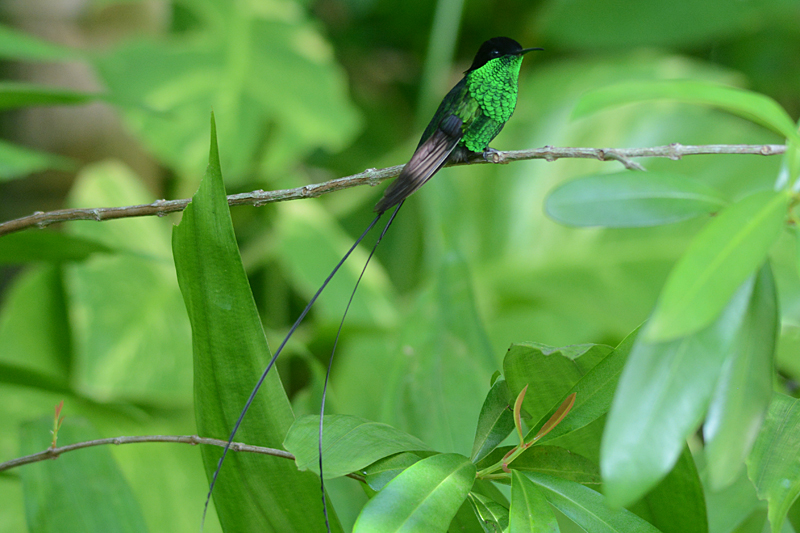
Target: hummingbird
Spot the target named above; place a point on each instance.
(468, 119)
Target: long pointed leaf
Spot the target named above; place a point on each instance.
(495, 422)
(744, 389)
(424, 498)
(588, 508)
(662, 396)
(253, 493)
(718, 260)
(529, 512)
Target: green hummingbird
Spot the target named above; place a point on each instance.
(469, 117)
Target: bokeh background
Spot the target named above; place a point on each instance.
(305, 91)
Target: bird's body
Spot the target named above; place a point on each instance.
(469, 117)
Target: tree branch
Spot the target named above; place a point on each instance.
(53, 453)
(373, 176)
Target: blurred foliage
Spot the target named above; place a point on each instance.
(308, 90)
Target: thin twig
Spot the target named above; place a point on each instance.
(373, 176)
(52, 453)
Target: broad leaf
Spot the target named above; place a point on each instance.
(662, 396)
(349, 443)
(718, 260)
(253, 493)
(631, 199)
(773, 464)
(424, 497)
(82, 491)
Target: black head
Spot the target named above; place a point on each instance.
(497, 47)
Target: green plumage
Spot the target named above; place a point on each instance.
(484, 100)
(469, 117)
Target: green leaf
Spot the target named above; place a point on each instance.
(631, 199)
(382, 471)
(677, 503)
(593, 393)
(265, 124)
(662, 396)
(468, 520)
(37, 245)
(586, 507)
(18, 162)
(14, 95)
(494, 517)
(728, 509)
(773, 464)
(529, 512)
(484, 511)
(136, 345)
(752, 106)
(681, 24)
(35, 330)
(495, 421)
(718, 260)
(17, 45)
(253, 493)
(550, 373)
(82, 491)
(423, 498)
(556, 461)
(349, 443)
(744, 389)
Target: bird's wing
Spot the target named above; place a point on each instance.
(426, 161)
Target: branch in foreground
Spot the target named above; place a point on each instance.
(373, 176)
(53, 453)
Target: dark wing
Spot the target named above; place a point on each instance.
(426, 161)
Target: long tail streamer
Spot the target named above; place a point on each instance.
(278, 352)
(330, 361)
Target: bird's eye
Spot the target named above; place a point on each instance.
(495, 53)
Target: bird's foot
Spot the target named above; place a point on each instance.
(492, 156)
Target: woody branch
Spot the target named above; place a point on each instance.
(373, 176)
